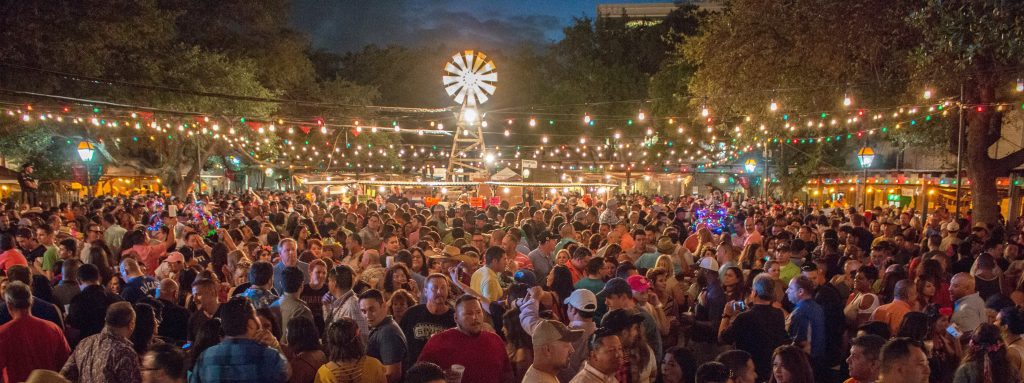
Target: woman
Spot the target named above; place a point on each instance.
(926, 288)
(790, 365)
(268, 321)
(304, 344)
(419, 261)
(313, 292)
(945, 349)
(774, 270)
(401, 300)
(518, 345)
(115, 284)
(732, 281)
(398, 277)
(208, 335)
(750, 255)
(562, 257)
(862, 302)
(985, 359)
(678, 366)
(145, 328)
(347, 357)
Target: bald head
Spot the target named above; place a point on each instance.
(168, 290)
(130, 268)
(961, 286)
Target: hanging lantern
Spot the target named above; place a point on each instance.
(750, 165)
(86, 151)
(866, 155)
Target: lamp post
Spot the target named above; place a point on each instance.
(85, 152)
(866, 155)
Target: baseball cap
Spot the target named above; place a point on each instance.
(615, 286)
(526, 276)
(547, 235)
(481, 216)
(638, 283)
(952, 226)
(665, 245)
(583, 300)
(709, 263)
(549, 331)
(618, 320)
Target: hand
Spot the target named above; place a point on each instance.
(535, 293)
(413, 286)
(264, 337)
(730, 308)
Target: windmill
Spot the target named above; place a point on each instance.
(469, 79)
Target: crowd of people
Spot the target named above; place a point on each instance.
(290, 287)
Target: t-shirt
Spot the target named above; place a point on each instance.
(31, 255)
(591, 284)
(50, 258)
(366, 369)
(807, 324)
(30, 343)
(138, 287)
(758, 331)
(387, 342)
(418, 325)
(483, 355)
(485, 282)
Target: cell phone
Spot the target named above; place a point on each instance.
(172, 210)
(952, 330)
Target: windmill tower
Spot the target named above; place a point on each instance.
(469, 79)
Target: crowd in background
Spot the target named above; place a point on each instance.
(289, 287)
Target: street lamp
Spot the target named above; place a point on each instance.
(750, 165)
(85, 151)
(866, 155)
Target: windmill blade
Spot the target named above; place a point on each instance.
(453, 88)
(488, 78)
(452, 69)
(460, 63)
(481, 60)
(480, 95)
(486, 87)
(449, 80)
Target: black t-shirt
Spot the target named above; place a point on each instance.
(835, 321)
(23, 181)
(758, 331)
(195, 322)
(418, 325)
(31, 255)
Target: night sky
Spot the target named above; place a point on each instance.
(344, 26)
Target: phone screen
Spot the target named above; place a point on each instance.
(951, 329)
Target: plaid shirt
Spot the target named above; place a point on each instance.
(240, 360)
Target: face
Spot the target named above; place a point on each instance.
(400, 278)
(958, 288)
(793, 292)
(316, 250)
(417, 260)
(559, 353)
(748, 374)
(780, 373)
(928, 289)
(398, 307)
(731, 278)
(478, 241)
(916, 369)
(437, 290)
(373, 310)
(660, 283)
(562, 258)
(151, 371)
(392, 245)
(608, 357)
(671, 370)
(317, 275)
(629, 335)
(861, 282)
(775, 271)
(469, 316)
(114, 285)
(288, 249)
(861, 367)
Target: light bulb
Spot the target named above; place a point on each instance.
(469, 115)
(928, 92)
(773, 106)
(847, 101)
(1020, 85)
(704, 112)
(544, 139)
(641, 116)
(586, 118)
(533, 122)
(507, 133)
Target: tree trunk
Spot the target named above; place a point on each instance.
(984, 127)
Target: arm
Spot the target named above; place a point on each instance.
(529, 311)
(394, 372)
(169, 242)
(70, 369)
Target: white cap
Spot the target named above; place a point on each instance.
(583, 300)
(709, 263)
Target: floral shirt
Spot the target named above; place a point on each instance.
(260, 297)
(104, 357)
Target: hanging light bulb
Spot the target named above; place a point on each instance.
(928, 92)
(1020, 85)
(704, 112)
(847, 101)
(544, 139)
(323, 129)
(774, 106)
(641, 116)
(507, 133)
(586, 118)
(533, 122)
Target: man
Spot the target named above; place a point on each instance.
(107, 356)
(594, 281)
(28, 185)
(86, 310)
(485, 279)
(9, 255)
(664, 247)
(391, 247)
(386, 340)
(510, 243)
(740, 365)
(864, 359)
(67, 289)
(289, 305)
(552, 347)
(478, 241)
(482, 353)
(604, 359)
(112, 232)
(904, 296)
(1011, 322)
(712, 372)
(433, 316)
(136, 285)
(757, 330)
(205, 293)
(341, 301)
(163, 363)
(968, 307)
(261, 278)
(371, 233)
(904, 361)
(806, 324)
(196, 249)
(248, 352)
(44, 235)
(832, 305)
(788, 269)
(581, 307)
(30, 247)
(354, 246)
(26, 342)
(618, 294)
(289, 258)
(578, 263)
(543, 257)
(40, 309)
(626, 326)
(174, 318)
